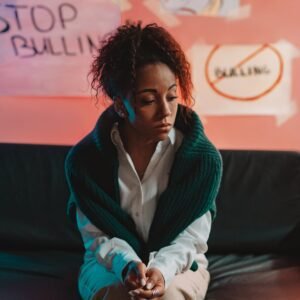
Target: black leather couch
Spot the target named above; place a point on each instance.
(254, 247)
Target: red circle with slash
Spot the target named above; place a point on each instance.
(213, 83)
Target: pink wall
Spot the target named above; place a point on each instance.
(66, 120)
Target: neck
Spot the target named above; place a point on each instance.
(138, 147)
(133, 141)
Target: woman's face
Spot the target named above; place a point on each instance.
(152, 109)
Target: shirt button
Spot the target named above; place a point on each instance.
(137, 214)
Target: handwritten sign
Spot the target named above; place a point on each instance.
(46, 47)
(244, 79)
(259, 71)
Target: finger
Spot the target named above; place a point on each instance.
(150, 283)
(141, 274)
(153, 279)
(135, 295)
(131, 283)
(156, 292)
(156, 278)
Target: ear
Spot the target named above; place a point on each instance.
(119, 107)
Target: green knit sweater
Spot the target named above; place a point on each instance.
(91, 170)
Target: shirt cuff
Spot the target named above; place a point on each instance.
(120, 261)
(167, 270)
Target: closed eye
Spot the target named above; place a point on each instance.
(147, 102)
(172, 98)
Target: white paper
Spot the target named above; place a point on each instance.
(244, 79)
(47, 47)
(201, 7)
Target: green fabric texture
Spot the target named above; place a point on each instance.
(91, 170)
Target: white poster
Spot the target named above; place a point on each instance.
(170, 12)
(243, 79)
(201, 7)
(46, 47)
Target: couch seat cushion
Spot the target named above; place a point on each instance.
(39, 275)
(254, 277)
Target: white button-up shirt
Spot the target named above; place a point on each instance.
(139, 199)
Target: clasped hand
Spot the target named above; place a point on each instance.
(143, 283)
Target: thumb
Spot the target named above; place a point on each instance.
(141, 274)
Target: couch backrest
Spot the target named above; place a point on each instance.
(258, 203)
(33, 198)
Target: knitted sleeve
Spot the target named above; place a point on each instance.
(103, 211)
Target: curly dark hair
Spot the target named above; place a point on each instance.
(132, 46)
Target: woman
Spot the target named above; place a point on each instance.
(143, 183)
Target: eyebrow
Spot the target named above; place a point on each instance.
(154, 90)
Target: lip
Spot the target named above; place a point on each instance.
(163, 125)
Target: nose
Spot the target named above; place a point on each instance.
(165, 110)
